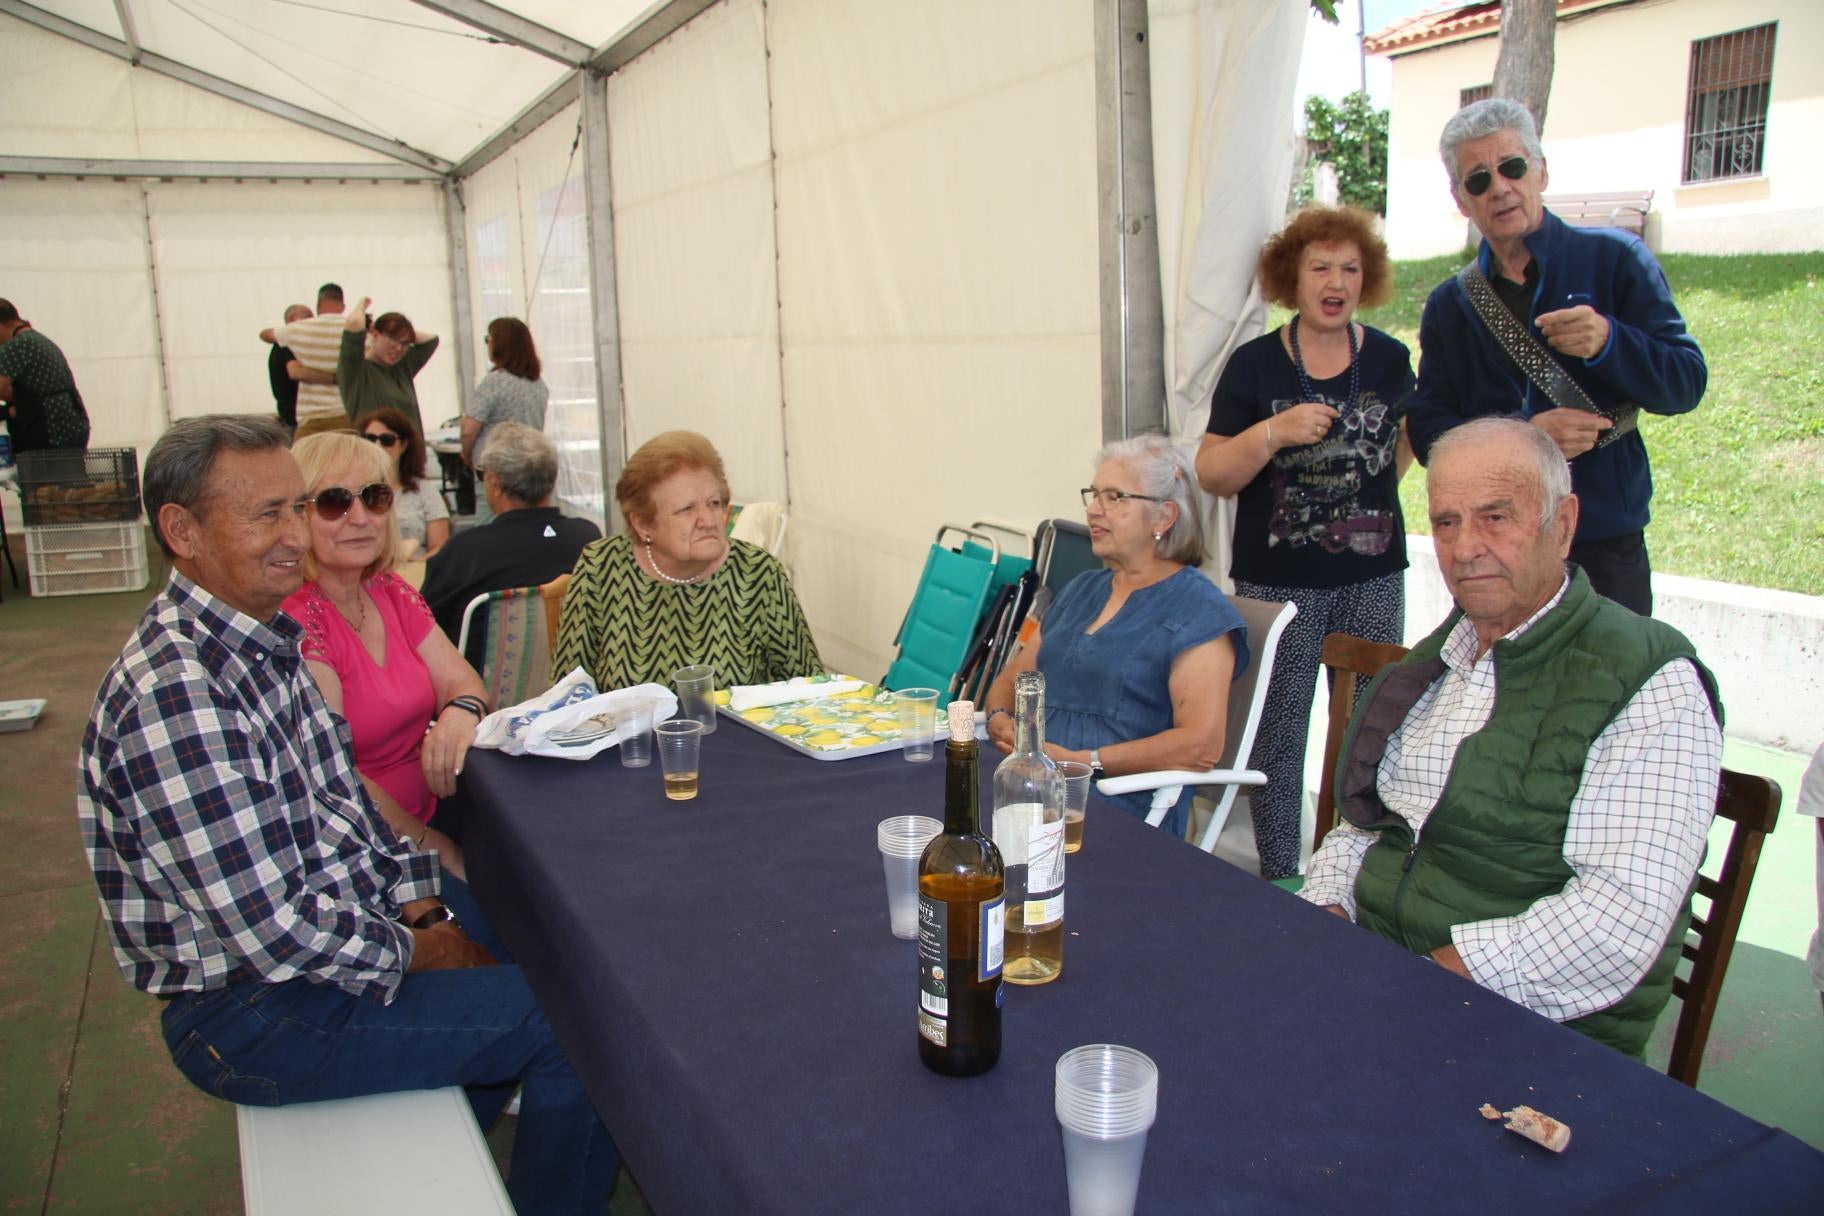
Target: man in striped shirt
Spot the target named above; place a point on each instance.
(317, 343)
(303, 952)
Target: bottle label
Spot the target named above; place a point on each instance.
(994, 937)
(933, 983)
(1044, 874)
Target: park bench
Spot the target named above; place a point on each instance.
(1624, 209)
(386, 1154)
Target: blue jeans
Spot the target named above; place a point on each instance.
(261, 1044)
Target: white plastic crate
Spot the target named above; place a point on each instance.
(86, 559)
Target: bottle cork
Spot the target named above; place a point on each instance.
(962, 720)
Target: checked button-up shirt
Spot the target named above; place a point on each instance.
(223, 817)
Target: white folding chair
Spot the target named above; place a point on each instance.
(1247, 697)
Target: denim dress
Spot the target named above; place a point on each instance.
(1114, 685)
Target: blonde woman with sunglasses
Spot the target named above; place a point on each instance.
(411, 702)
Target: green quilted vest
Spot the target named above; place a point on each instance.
(1494, 844)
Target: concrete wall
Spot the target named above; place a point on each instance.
(1766, 648)
(1616, 122)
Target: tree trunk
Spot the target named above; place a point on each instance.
(1524, 69)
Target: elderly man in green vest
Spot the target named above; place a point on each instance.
(1543, 843)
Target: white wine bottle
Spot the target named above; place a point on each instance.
(1029, 830)
(961, 909)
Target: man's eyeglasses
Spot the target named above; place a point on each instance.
(1110, 499)
(385, 439)
(1513, 169)
(337, 501)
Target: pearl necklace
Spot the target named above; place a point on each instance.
(676, 582)
(1355, 368)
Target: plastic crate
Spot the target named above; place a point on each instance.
(70, 486)
(86, 559)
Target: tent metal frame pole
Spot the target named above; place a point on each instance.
(1133, 311)
(206, 170)
(658, 25)
(511, 28)
(456, 219)
(598, 203)
(528, 120)
(158, 317)
(125, 17)
(154, 62)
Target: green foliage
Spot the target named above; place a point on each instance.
(1738, 483)
(1352, 139)
(1325, 9)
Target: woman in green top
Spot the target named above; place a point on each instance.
(379, 376)
(675, 589)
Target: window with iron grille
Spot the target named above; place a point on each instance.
(1726, 107)
(1474, 93)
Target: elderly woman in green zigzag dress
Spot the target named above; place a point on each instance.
(675, 589)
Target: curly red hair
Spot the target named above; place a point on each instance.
(1277, 269)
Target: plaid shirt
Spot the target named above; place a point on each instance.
(224, 820)
(1634, 840)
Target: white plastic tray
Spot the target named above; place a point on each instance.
(20, 715)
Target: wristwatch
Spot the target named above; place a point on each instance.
(435, 916)
(1095, 759)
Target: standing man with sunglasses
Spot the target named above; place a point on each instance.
(1573, 329)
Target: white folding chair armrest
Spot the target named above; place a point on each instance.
(1135, 782)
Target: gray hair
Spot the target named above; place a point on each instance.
(1482, 118)
(522, 462)
(1167, 474)
(1551, 470)
(177, 468)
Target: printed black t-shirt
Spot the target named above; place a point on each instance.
(1326, 514)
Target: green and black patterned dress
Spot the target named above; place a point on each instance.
(625, 628)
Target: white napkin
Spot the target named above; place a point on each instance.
(803, 688)
(570, 705)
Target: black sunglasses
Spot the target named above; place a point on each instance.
(1513, 169)
(385, 439)
(332, 504)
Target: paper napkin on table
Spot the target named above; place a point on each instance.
(571, 706)
(804, 688)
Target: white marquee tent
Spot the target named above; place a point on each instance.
(906, 263)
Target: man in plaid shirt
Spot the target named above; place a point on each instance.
(302, 951)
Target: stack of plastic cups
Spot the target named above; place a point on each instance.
(902, 841)
(1106, 1098)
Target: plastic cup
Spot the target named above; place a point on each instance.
(680, 750)
(902, 841)
(1075, 774)
(696, 687)
(917, 721)
(634, 718)
(1106, 1098)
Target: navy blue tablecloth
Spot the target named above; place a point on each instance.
(722, 975)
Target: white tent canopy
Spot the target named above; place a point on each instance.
(855, 242)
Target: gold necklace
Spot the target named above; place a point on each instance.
(361, 603)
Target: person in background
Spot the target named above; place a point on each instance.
(1811, 803)
(528, 542)
(510, 392)
(376, 371)
(280, 374)
(1525, 797)
(1589, 311)
(373, 647)
(315, 343)
(1137, 657)
(1305, 433)
(423, 518)
(674, 589)
(301, 949)
(44, 410)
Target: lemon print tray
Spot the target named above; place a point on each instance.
(859, 723)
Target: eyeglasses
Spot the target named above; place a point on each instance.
(1111, 498)
(385, 439)
(1513, 169)
(337, 501)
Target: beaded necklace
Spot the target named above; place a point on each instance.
(676, 582)
(1355, 368)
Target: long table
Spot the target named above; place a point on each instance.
(722, 975)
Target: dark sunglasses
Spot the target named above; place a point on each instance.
(385, 439)
(1513, 169)
(332, 504)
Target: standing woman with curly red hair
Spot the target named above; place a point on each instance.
(1305, 432)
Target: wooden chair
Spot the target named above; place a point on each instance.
(1352, 662)
(1752, 804)
(552, 593)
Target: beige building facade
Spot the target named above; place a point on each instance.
(1716, 106)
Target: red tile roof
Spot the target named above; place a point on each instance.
(1451, 22)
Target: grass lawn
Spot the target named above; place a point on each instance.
(1739, 483)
